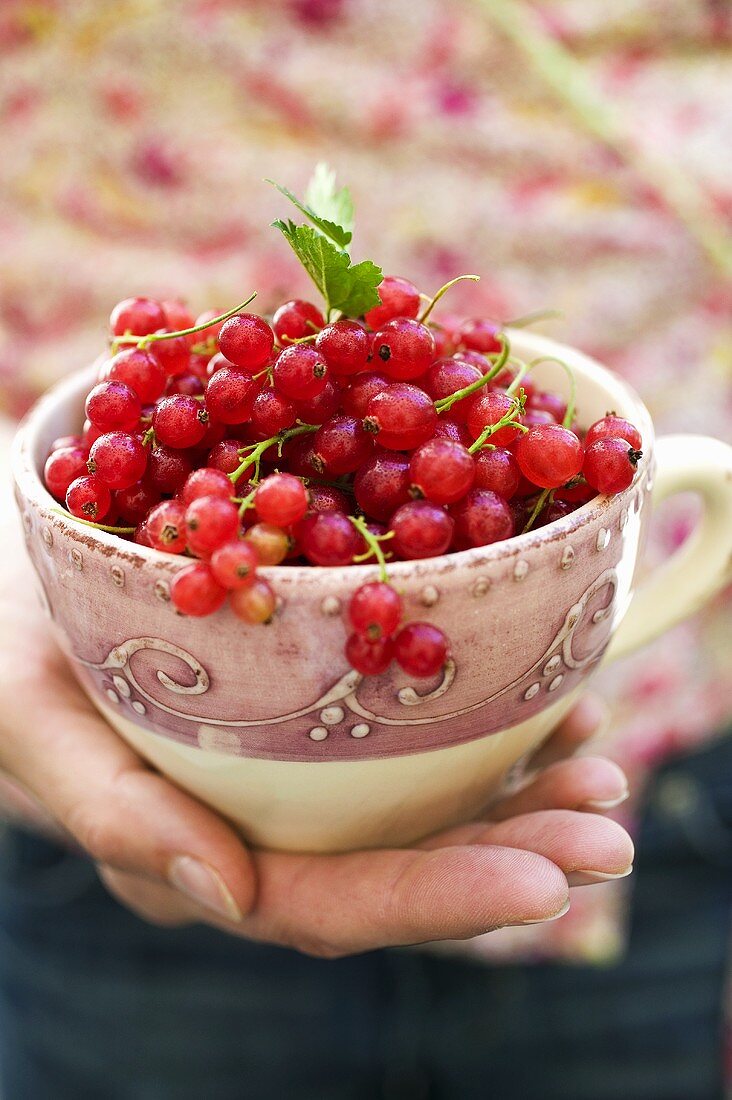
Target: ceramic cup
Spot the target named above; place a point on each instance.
(270, 726)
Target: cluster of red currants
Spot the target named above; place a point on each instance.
(244, 444)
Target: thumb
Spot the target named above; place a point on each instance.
(122, 813)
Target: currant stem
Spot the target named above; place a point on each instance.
(443, 290)
(374, 544)
(96, 526)
(546, 497)
(527, 319)
(145, 341)
(571, 404)
(446, 403)
(256, 452)
(506, 421)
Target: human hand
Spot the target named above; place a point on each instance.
(173, 860)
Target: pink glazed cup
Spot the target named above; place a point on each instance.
(271, 727)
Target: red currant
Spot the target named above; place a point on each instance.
(195, 591)
(480, 335)
(488, 407)
(132, 505)
(300, 372)
(549, 403)
(481, 518)
(62, 467)
(113, 406)
(381, 484)
(178, 316)
(328, 498)
(246, 340)
(356, 398)
(320, 408)
(454, 430)
(206, 481)
(136, 316)
(168, 469)
(166, 529)
(281, 500)
(614, 427)
(401, 417)
(87, 498)
(234, 565)
(329, 538)
(140, 371)
(296, 319)
(230, 395)
(180, 421)
(256, 603)
(442, 471)
(420, 649)
(118, 460)
(405, 348)
(399, 298)
(173, 354)
(272, 413)
(369, 658)
(345, 345)
(271, 544)
(497, 469)
(549, 455)
(210, 522)
(447, 376)
(421, 530)
(341, 445)
(375, 610)
(610, 464)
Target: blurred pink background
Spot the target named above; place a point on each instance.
(577, 155)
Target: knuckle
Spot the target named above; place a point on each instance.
(90, 824)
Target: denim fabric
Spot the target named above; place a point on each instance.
(97, 1005)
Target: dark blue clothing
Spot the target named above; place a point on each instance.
(97, 1005)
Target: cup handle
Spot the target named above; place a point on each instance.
(699, 568)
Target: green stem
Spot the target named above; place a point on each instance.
(542, 499)
(258, 449)
(571, 404)
(96, 526)
(443, 290)
(144, 341)
(446, 403)
(505, 422)
(374, 544)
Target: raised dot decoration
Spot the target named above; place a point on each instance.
(318, 733)
(481, 587)
(331, 716)
(118, 576)
(361, 730)
(429, 596)
(603, 539)
(567, 559)
(555, 682)
(532, 691)
(520, 569)
(162, 591)
(331, 606)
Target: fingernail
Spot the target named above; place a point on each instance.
(586, 878)
(544, 920)
(598, 805)
(204, 885)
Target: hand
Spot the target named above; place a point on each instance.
(173, 860)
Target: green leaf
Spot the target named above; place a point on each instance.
(351, 288)
(325, 200)
(333, 231)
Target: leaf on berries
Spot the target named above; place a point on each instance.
(351, 288)
(321, 218)
(327, 201)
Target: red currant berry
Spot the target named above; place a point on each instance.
(62, 467)
(401, 417)
(173, 354)
(166, 528)
(442, 471)
(549, 455)
(610, 464)
(399, 298)
(488, 407)
(328, 498)
(190, 384)
(271, 544)
(226, 456)
(210, 522)
(178, 316)
(375, 610)
(272, 413)
(256, 603)
(480, 335)
(558, 509)
(381, 485)
(404, 348)
(498, 471)
(369, 658)
(532, 418)
(296, 319)
(445, 377)
(210, 333)
(300, 372)
(345, 345)
(454, 430)
(140, 371)
(113, 406)
(329, 538)
(136, 316)
(420, 649)
(230, 395)
(132, 505)
(356, 398)
(614, 427)
(168, 469)
(195, 591)
(341, 445)
(234, 565)
(421, 530)
(246, 340)
(549, 403)
(321, 407)
(206, 481)
(481, 518)
(118, 460)
(66, 441)
(87, 498)
(281, 500)
(179, 421)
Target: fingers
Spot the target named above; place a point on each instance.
(335, 905)
(588, 783)
(587, 848)
(587, 719)
(152, 901)
(122, 813)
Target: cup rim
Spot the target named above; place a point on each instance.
(30, 484)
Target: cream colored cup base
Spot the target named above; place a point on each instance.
(337, 806)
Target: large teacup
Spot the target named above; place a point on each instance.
(270, 726)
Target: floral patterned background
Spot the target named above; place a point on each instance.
(575, 154)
